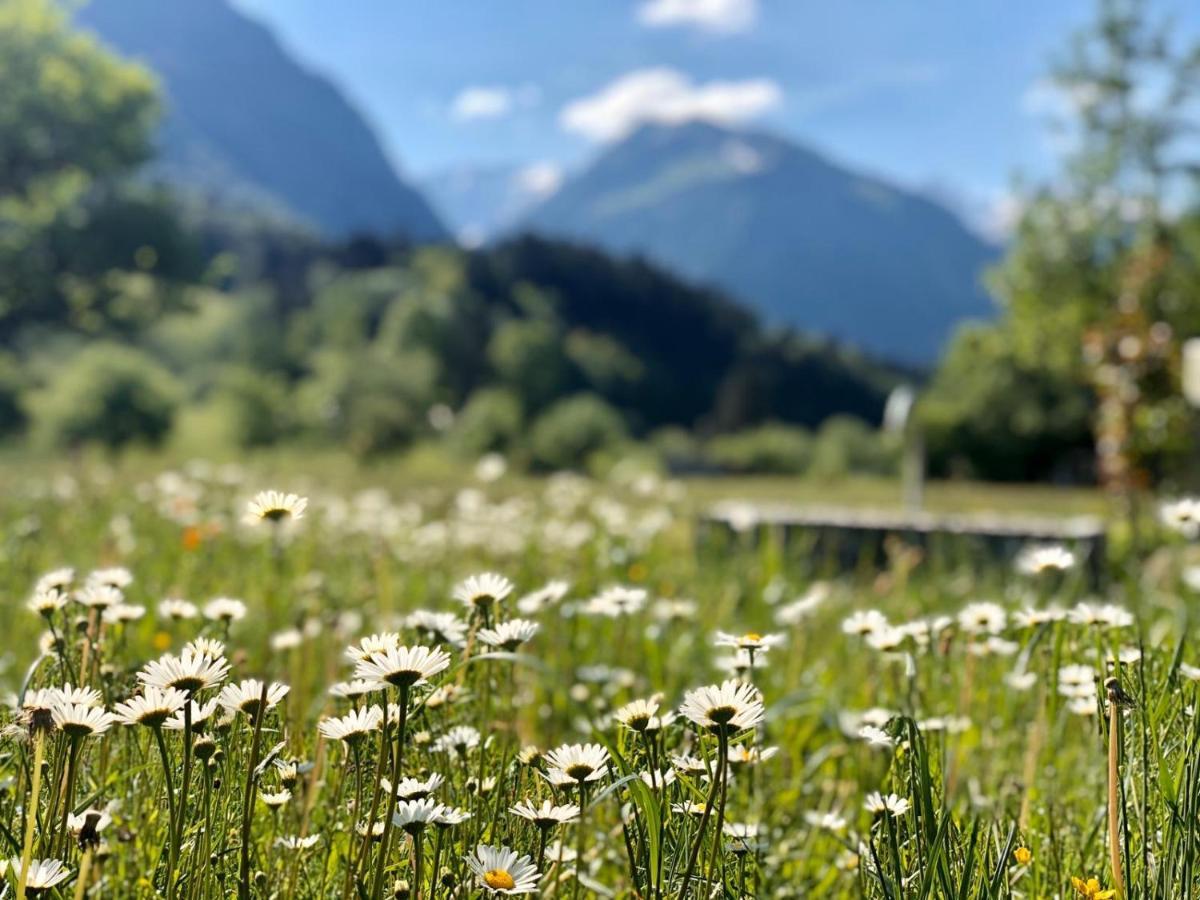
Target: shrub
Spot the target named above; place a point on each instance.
(846, 445)
(572, 430)
(491, 421)
(256, 406)
(108, 394)
(771, 449)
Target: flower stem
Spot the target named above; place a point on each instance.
(397, 762)
(39, 752)
(248, 798)
(1114, 807)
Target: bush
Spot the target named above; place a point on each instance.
(771, 449)
(256, 406)
(12, 414)
(572, 430)
(491, 421)
(846, 445)
(372, 402)
(108, 394)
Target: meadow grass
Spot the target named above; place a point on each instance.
(941, 729)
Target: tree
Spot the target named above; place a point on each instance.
(1097, 284)
(73, 118)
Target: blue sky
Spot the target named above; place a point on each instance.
(939, 93)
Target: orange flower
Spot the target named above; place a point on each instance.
(191, 538)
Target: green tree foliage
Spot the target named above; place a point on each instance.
(107, 394)
(527, 356)
(1097, 255)
(492, 420)
(73, 117)
(773, 448)
(570, 432)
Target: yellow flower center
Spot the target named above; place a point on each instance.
(751, 636)
(499, 880)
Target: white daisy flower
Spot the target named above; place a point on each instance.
(152, 707)
(509, 635)
(415, 815)
(174, 608)
(79, 721)
(864, 622)
(548, 815)
(616, 601)
(892, 804)
(533, 603)
(368, 646)
(225, 609)
(501, 871)
(483, 591)
(295, 842)
(730, 706)
(353, 726)
(438, 627)
(1038, 559)
(751, 640)
(459, 739)
(42, 875)
(188, 672)
(403, 666)
(275, 506)
(246, 696)
(579, 762)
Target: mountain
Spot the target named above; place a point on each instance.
(478, 202)
(803, 241)
(249, 126)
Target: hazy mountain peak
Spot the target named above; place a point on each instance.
(249, 125)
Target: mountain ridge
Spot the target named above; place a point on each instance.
(803, 241)
(250, 125)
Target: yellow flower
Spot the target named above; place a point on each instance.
(1090, 889)
(1023, 856)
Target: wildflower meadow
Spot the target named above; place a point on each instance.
(565, 688)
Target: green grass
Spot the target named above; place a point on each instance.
(979, 767)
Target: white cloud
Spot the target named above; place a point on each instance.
(540, 179)
(710, 15)
(665, 95)
(481, 103)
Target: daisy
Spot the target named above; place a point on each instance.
(188, 672)
(1192, 673)
(579, 762)
(1182, 516)
(275, 506)
(414, 815)
(289, 639)
(123, 612)
(1031, 617)
(201, 713)
(533, 603)
(98, 596)
(348, 690)
(225, 609)
(79, 721)
(982, 618)
(751, 640)
(547, 815)
(501, 871)
(79, 696)
(414, 788)
(245, 696)
(46, 603)
(276, 800)
(372, 644)
(1108, 615)
(481, 592)
(744, 755)
(509, 635)
(353, 726)
(116, 577)
(892, 804)
(152, 707)
(830, 821)
(1037, 560)
(173, 608)
(42, 875)
(730, 706)
(655, 778)
(638, 715)
(451, 815)
(439, 627)
(292, 842)
(206, 647)
(403, 666)
(616, 601)
(864, 622)
(876, 737)
(458, 739)
(57, 581)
